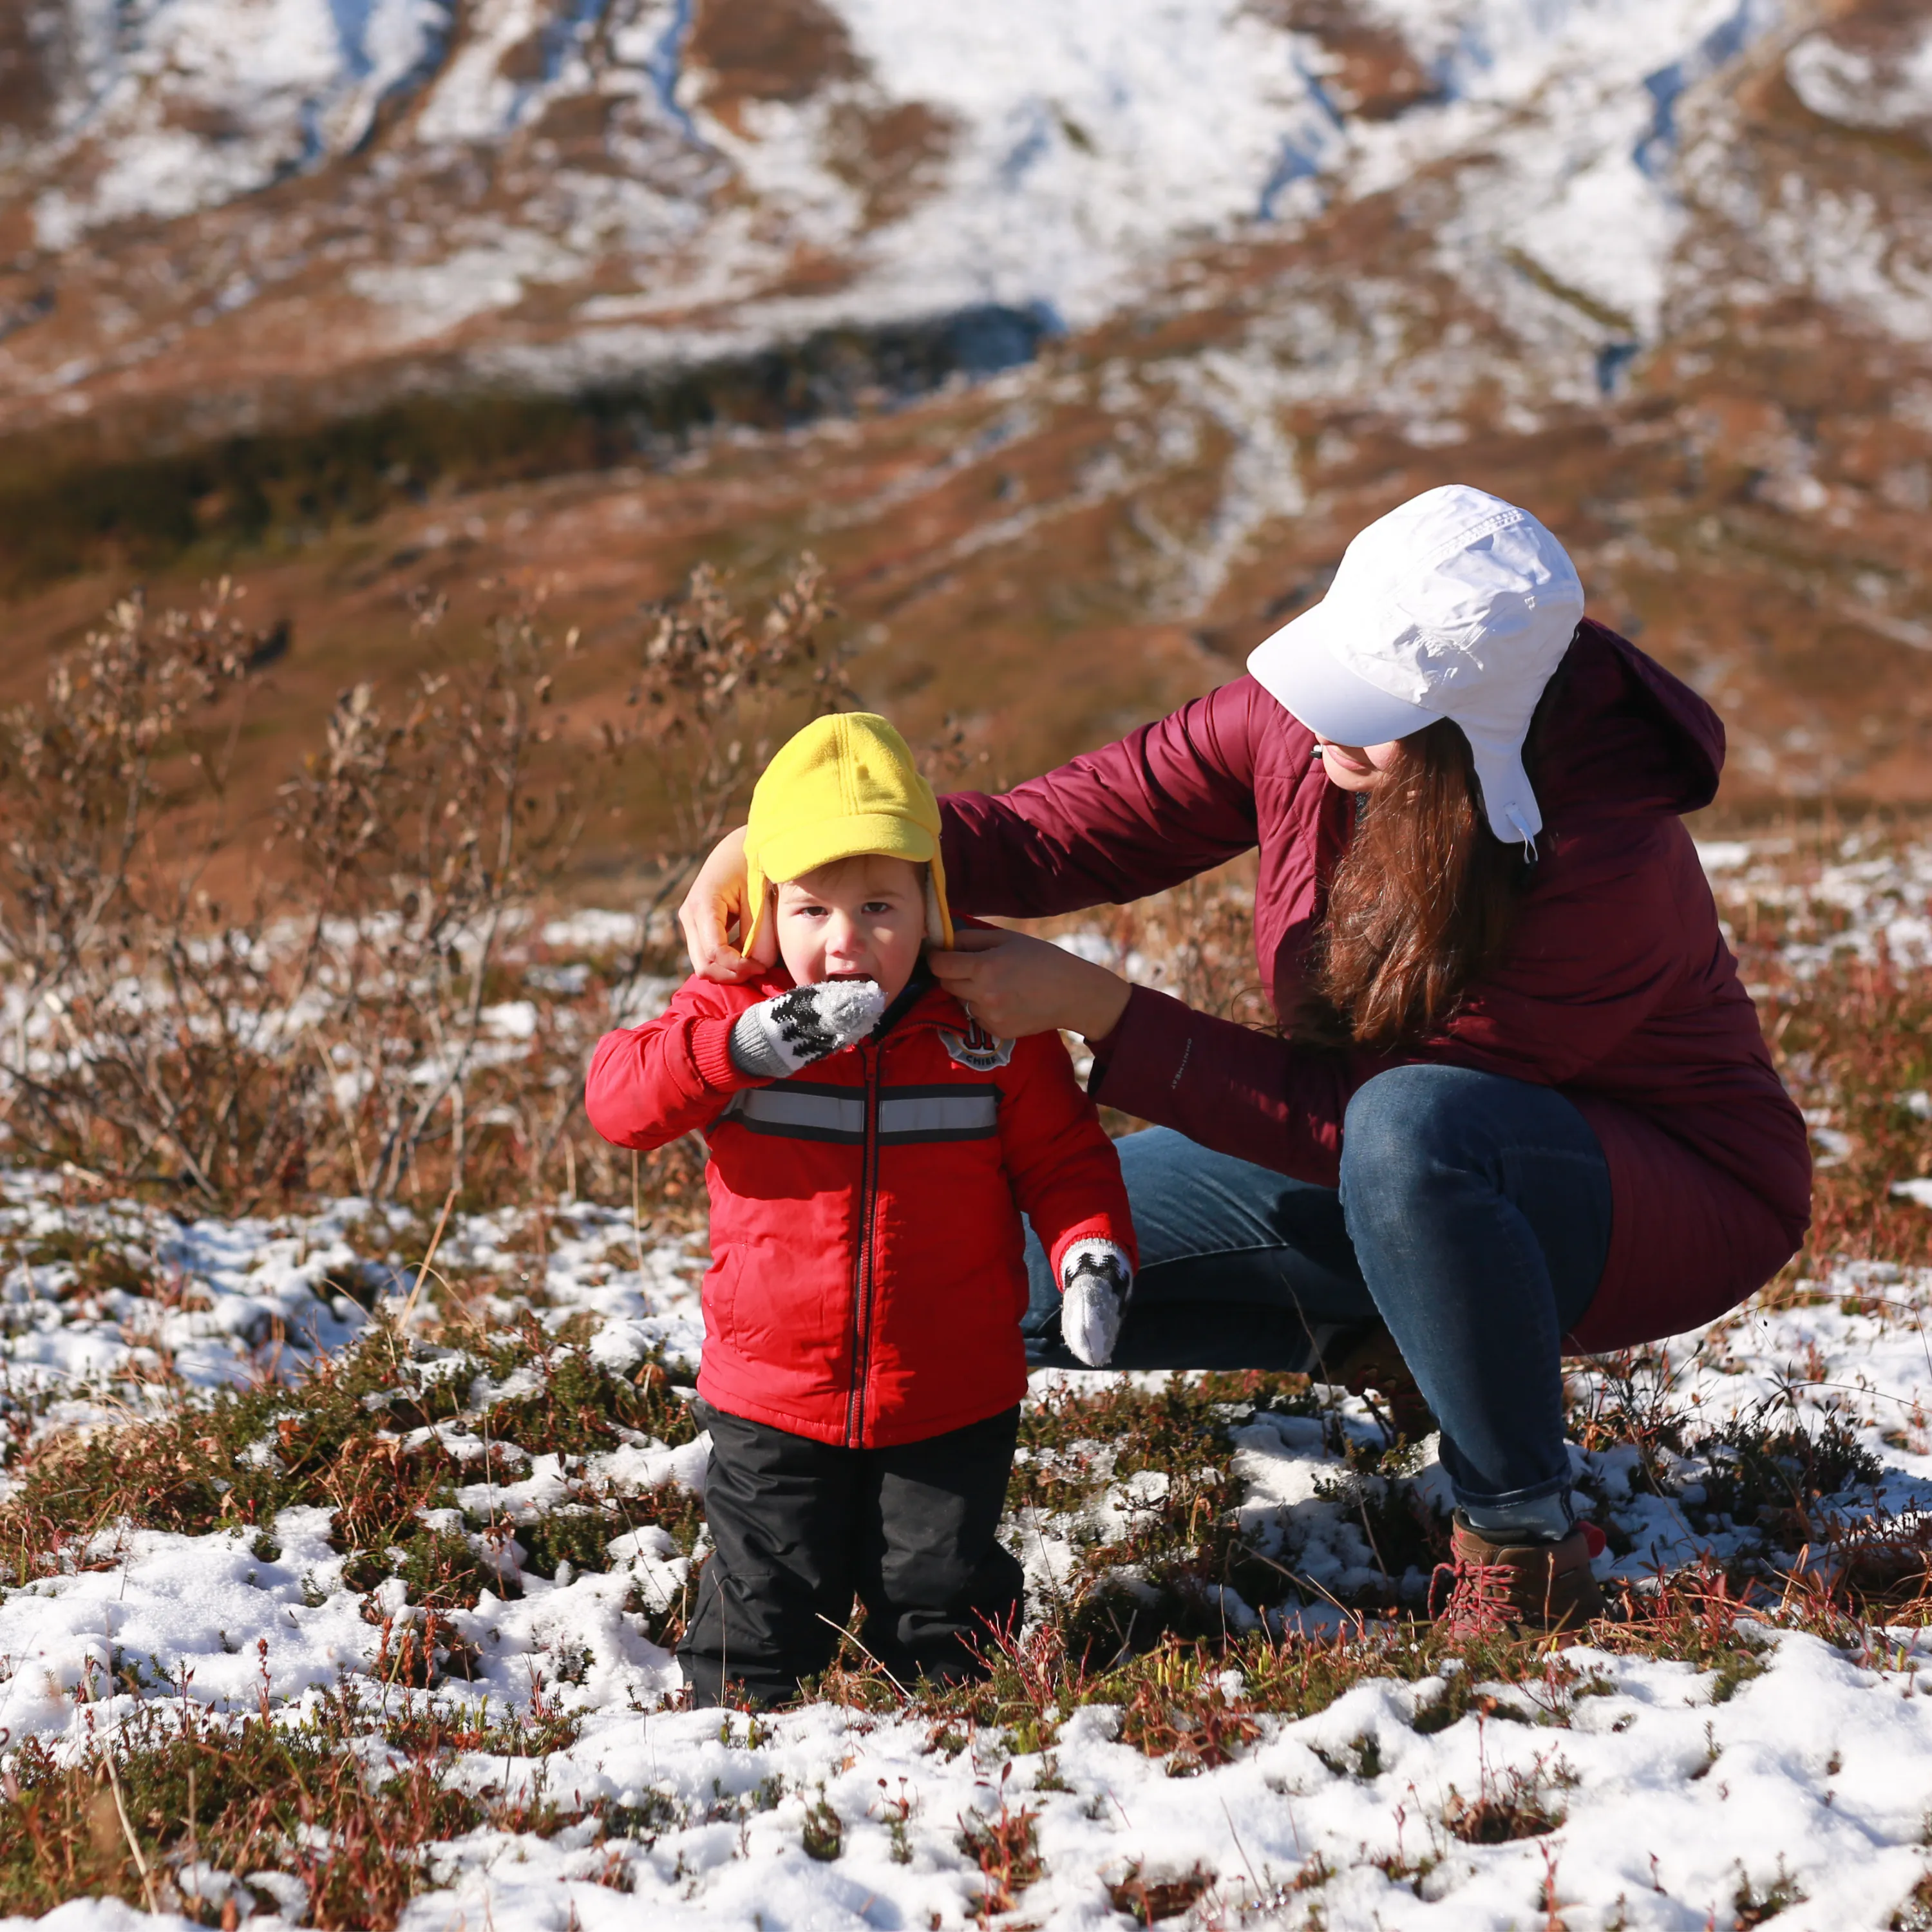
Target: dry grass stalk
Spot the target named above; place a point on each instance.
(326, 1021)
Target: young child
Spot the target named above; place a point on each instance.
(862, 1364)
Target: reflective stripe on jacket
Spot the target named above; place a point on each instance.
(867, 1279)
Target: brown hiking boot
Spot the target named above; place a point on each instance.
(1369, 1359)
(1494, 1587)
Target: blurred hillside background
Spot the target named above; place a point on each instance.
(1074, 340)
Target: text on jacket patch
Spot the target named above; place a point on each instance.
(976, 1049)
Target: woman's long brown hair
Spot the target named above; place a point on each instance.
(1424, 899)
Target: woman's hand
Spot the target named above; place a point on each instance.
(1014, 985)
(716, 898)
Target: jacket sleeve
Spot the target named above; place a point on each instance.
(648, 1084)
(1065, 1173)
(1591, 958)
(1166, 801)
(1239, 1091)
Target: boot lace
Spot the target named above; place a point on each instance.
(1481, 1600)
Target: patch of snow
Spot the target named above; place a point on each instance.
(1848, 249)
(512, 1019)
(1723, 855)
(244, 1298)
(191, 102)
(427, 299)
(593, 931)
(1851, 85)
(1860, 905)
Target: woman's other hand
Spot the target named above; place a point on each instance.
(716, 898)
(1014, 985)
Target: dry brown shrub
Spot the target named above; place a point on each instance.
(185, 1005)
(1147, 1901)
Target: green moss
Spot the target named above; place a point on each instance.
(1735, 1666)
(578, 1535)
(823, 1833)
(582, 1405)
(441, 1570)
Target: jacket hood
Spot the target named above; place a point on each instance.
(1627, 739)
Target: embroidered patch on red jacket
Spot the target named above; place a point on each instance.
(975, 1047)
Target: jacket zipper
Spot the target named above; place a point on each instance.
(861, 1284)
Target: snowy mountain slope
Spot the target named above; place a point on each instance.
(1663, 267)
(186, 104)
(611, 183)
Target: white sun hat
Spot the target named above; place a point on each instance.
(1456, 604)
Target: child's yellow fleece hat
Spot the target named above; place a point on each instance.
(845, 786)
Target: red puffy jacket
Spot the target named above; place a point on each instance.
(867, 1278)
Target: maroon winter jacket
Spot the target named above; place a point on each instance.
(867, 1278)
(1617, 988)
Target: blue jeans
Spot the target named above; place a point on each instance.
(1473, 1219)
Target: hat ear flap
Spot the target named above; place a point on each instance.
(762, 947)
(758, 925)
(935, 919)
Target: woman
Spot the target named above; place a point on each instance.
(1519, 1103)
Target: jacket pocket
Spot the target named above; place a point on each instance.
(720, 1299)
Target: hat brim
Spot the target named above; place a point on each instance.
(1296, 668)
(887, 835)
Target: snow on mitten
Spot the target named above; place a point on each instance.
(1095, 1277)
(780, 1035)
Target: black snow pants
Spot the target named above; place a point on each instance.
(799, 1528)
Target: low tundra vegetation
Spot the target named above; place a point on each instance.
(1212, 1559)
(1161, 1615)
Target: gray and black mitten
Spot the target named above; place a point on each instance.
(790, 1030)
(1095, 1277)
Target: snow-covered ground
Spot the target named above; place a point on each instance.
(1797, 1776)
(1875, 897)
(1820, 1767)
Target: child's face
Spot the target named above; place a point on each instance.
(856, 918)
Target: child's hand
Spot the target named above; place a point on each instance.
(780, 1035)
(1096, 1278)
